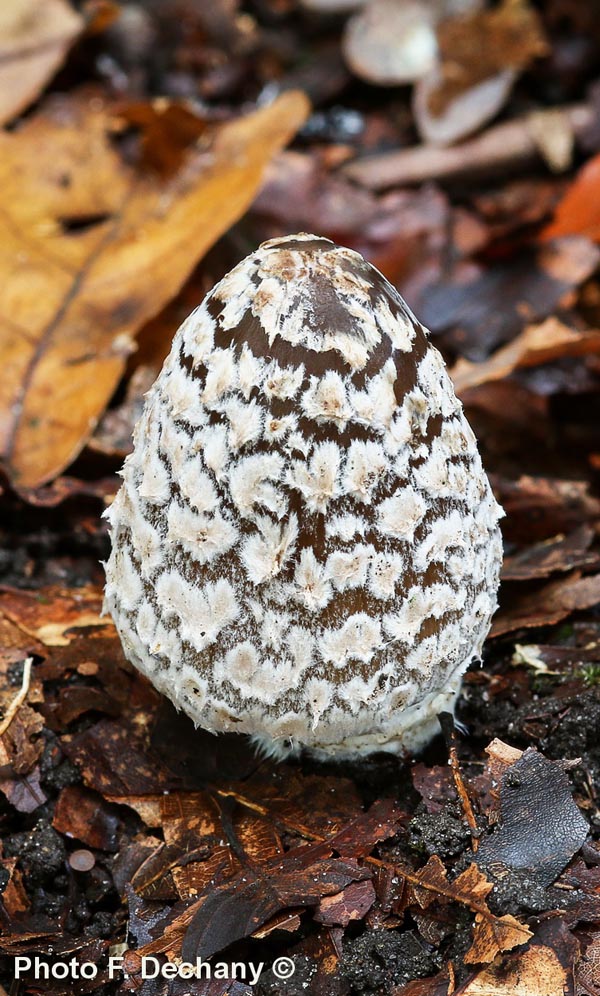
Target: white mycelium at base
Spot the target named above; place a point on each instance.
(305, 544)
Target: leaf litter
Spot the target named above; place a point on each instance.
(140, 166)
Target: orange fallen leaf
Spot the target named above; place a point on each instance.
(90, 249)
(536, 345)
(35, 36)
(49, 617)
(578, 213)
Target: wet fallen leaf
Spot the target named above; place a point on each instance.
(491, 934)
(242, 906)
(344, 907)
(477, 316)
(85, 816)
(35, 36)
(539, 507)
(541, 826)
(553, 602)
(536, 345)
(114, 761)
(74, 701)
(358, 838)
(435, 786)
(91, 250)
(24, 792)
(561, 553)
(211, 844)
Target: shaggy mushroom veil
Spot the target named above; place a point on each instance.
(305, 546)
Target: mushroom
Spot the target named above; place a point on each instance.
(305, 546)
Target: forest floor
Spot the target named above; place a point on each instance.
(147, 148)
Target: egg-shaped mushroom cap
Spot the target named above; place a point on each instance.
(305, 546)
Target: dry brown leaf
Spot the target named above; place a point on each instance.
(14, 897)
(492, 934)
(35, 36)
(588, 968)
(73, 298)
(536, 345)
(548, 605)
(538, 970)
(470, 887)
(477, 44)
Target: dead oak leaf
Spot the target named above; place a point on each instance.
(492, 934)
(90, 251)
(431, 882)
(35, 36)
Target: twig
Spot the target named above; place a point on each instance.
(512, 143)
(464, 797)
(19, 697)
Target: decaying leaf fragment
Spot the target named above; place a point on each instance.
(49, 618)
(480, 57)
(35, 36)
(90, 250)
(542, 828)
(555, 601)
(538, 344)
(492, 934)
(578, 213)
(537, 970)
